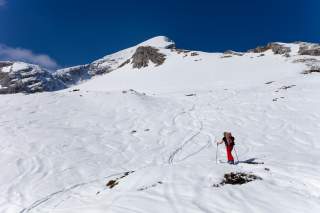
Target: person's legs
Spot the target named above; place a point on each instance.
(229, 154)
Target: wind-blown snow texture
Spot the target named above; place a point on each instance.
(60, 149)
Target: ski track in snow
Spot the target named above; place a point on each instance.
(43, 200)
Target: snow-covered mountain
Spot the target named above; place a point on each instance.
(135, 131)
(114, 61)
(182, 64)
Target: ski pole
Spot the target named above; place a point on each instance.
(217, 153)
(235, 150)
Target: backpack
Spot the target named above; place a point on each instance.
(226, 143)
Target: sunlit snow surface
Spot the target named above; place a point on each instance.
(58, 150)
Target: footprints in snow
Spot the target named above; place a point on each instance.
(135, 131)
(276, 99)
(269, 82)
(285, 87)
(114, 182)
(150, 186)
(279, 89)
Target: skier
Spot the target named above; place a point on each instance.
(228, 140)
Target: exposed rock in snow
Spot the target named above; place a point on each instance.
(307, 60)
(18, 77)
(77, 74)
(309, 49)
(124, 63)
(5, 64)
(179, 51)
(73, 75)
(237, 178)
(313, 69)
(231, 52)
(144, 54)
(275, 47)
(312, 64)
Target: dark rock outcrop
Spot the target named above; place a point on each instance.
(76, 74)
(275, 47)
(73, 75)
(194, 54)
(313, 69)
(170, 46)
(309, 49)
(237, 178)
(231, 52)
(180, 51)
(144, 54)
(124, 63)
(307, 60)
(18, 77)
(5, 64)
(312, 64)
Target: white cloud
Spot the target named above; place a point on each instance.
(3, 2)
(20, 54)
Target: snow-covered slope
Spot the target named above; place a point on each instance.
(149, 134)
(189, 70)
(108, 63)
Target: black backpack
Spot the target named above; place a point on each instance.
(226, 143)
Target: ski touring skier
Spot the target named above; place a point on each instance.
(228, 140)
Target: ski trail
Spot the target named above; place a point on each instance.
(179, 149)
(198, 124)
(51, 196)
(175, 122)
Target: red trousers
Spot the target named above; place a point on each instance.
(229, 150)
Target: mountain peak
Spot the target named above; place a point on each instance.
(159, 42)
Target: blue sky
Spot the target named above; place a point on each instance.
(59, 33)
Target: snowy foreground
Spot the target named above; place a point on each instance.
(58, 150)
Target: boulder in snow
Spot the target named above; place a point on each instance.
(237, 178)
